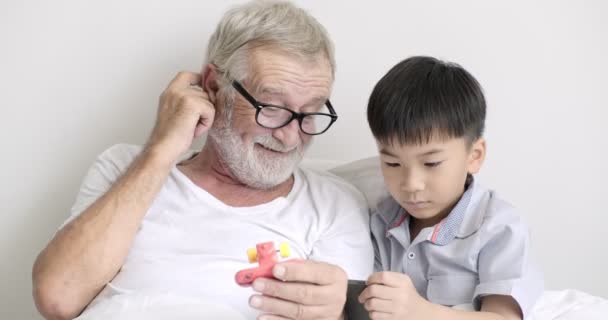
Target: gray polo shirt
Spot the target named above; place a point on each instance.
(481, 248)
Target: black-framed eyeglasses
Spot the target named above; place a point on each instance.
(274, 117)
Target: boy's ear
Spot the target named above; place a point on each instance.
(209, 81)
(477, 155)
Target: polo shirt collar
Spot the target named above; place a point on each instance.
(448, 228)
(462, 221)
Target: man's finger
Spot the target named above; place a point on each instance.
(196, 88)
(273, 317)
(303, 293)
(309, 271)
(184, 79)
(286, 309)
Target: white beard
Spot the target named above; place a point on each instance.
(251, 164)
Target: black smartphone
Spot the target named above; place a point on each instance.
(353, 309)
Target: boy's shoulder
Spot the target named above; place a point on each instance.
(480, 211)
(487, 210)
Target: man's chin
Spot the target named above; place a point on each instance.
(272, 177)
(278, 161)
(266, 184)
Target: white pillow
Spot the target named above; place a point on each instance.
(319, 164)
(365, 175)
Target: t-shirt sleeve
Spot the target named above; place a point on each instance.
(346, 240)
(104, 171)
(505, 263)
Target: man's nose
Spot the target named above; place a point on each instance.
(289, 135)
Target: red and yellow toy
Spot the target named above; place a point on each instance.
(266, 254)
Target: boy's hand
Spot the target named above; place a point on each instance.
(391, 295)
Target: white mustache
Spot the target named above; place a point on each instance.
(273, 144)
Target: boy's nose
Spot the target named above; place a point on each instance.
(411, 182)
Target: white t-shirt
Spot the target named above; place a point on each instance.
(191, 244)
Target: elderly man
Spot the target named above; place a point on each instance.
(156, 221)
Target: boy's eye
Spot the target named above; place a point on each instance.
(391, 164)
(432, 164)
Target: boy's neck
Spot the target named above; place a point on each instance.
(416, 225)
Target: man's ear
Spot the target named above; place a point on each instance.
(209, 81)
(477, 154)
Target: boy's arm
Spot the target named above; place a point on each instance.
(503, 305)
(505, 264)
(391, 295)
(493, 307)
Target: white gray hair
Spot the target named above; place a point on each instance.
(276, 24)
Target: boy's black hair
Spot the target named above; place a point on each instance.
(423, 96)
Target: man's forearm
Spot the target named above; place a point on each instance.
(88, 252)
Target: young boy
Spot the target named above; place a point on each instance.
(442, 239)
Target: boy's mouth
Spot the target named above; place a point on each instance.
(416, 204)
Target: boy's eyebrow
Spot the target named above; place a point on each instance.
(387, 153)
(430, 152)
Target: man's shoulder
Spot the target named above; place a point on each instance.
(328, 184)
(119, 156)
(325, 179)
(122, 151)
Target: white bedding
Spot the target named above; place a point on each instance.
(570, 305)
(553, 305)
(365, 174)
(130, 306)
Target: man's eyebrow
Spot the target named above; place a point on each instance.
(271, 91)
(268, 91)
(318, 100)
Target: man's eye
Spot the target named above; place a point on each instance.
(432, 164)
(391, 164)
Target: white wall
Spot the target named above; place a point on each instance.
(78, 76)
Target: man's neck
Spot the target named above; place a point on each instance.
(207, 171)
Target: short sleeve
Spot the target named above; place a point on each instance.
(346, 239)
(505, 263)
(106, 169)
